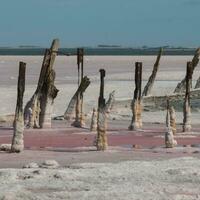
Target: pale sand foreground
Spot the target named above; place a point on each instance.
(167, 179)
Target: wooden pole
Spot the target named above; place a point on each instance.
(38, 110)
(18, 137)
(101, 141)
(149, 85)
(79, 121)
(186, 108)
(136, 105)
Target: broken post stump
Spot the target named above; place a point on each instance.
(18, 137)
(170, 142)
(172, 119)
(180, 88)
(101, 140)
(38, 110)
(82, 87)
(186, 107)
(136, 105)
(150, 82)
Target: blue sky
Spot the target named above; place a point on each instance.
(93, 22)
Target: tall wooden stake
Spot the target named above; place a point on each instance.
(136, 105)
(101, 141)
(79, 121)
(186, 108)
(18, 137)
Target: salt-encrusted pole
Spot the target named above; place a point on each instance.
(186, 108)
(136, 104)
(108, 107)
(79, 122)
(149, 85)
(68, 115)
(169, 137)
(180, 88)
(18, 137)
(101, 141)
(81, 89)
(38, 110)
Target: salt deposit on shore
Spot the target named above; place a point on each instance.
(176, 179)
(119, 77)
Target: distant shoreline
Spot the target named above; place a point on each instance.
(103, 51)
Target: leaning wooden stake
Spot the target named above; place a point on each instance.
(149, 85)
(82, 87)
(170, 142)
(38, 110)
(136, 105)
(101, 141)
(186, 107)
(18, 137)
(180, 88)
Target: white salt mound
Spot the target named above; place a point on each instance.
(49, 164)
(5, 147)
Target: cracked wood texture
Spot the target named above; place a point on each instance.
(18, 137)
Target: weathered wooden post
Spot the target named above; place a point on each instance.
(18, 137)
(79, 121)
(150, 82)
(136, 104)
(101, 141)
(38, 110)
(108, 107)
(169, 137)
(81, 52)
(180, 88)
(81, 89)
(186, 108)
(72, 104)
